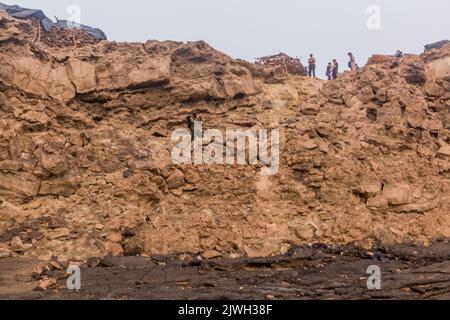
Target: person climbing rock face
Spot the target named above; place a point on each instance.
(191, 126)
(190, 123)
(312, 65)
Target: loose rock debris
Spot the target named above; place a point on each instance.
(282, 61)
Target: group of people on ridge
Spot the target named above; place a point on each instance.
(332, 68)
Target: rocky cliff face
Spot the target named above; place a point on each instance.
(85, 142)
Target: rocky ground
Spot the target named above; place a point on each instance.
(85, 142)
(308, 272)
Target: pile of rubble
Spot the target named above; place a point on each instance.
(86, 167)
(67, 37)
(283, 62)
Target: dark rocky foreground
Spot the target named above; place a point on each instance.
(313, 272)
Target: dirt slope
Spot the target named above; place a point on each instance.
(85, 142)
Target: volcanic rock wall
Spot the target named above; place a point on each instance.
(85, 142)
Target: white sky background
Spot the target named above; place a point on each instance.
(248, 29)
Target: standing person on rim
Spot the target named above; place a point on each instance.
(312, 66)
(352, 62)
(329, 73)
(335, 69)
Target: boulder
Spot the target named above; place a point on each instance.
(397, 194)
(444, 150)
(82, 74)
(377, 203)
(54, 163)
(5, 252)
(211, 254)
(41, 79)
(432, 125)
(35, 117)
(175, 180)
(22, 184)
(58, 187)
(310, 109)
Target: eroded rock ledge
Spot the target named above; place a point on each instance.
(85, 166)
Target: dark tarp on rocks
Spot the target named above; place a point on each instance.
(23, 13)
(436, 45)
(46, 23)
(94, 32)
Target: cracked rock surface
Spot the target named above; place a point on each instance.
(85, 142)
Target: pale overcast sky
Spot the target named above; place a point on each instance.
(248, 29)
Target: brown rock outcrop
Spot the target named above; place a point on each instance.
(85, 141)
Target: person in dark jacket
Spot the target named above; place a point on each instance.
(399, 54)
(335, 69)
(312, 65)
(352, 62)
(191, 125)
(329, 73)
